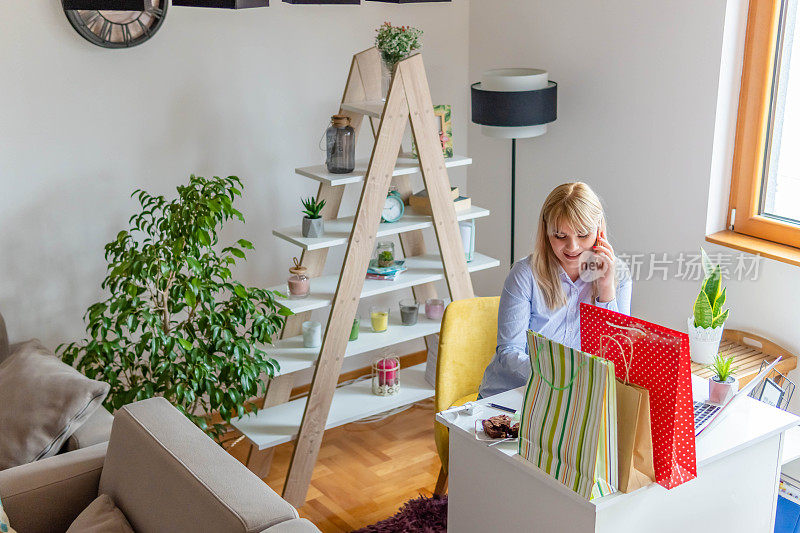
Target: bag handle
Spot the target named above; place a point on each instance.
(538, 370)
(627, 362)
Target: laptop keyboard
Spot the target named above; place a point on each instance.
(703, 411)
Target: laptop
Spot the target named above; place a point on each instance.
(707, 413)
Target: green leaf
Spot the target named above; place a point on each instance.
(190, 298)
(720, 320)
(702, 311)
(238, 253)
(247, 245)
(712, 285)
(240, 291)
(203, 237)
(720, 301)
(708, 266)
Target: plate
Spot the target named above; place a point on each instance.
(482, 436)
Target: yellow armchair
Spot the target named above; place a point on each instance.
(467, 343)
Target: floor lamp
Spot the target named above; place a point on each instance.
(514, 103)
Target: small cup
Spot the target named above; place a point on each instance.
(409, 311)
(379, 318)
(434, 308)
(354, 328)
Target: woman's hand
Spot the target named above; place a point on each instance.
(606, 284)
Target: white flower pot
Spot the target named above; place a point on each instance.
(719, 392)
(704, 342)
(313, 227)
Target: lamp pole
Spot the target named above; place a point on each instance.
(513, 196)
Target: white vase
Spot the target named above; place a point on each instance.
(719, 392)
(704, 342)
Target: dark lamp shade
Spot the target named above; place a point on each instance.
(516, 110)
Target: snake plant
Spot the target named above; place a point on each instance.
(708, 312)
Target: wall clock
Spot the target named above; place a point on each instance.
(119, 29)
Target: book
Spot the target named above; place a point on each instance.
(397, 266)
(422, 204)
(383, 277)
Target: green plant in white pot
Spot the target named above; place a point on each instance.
(722, 385)
(708, 317)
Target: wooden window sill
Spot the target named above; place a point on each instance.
(753, 245)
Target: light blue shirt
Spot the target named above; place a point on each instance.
(522, 308)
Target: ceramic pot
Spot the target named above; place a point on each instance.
(719, 392)
(704, 342)
(313, 227)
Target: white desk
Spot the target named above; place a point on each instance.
(738, 463)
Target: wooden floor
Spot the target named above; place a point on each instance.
(365, 471)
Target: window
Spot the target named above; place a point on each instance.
(765, 186)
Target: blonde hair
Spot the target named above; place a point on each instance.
(572, 204)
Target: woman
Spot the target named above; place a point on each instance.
(572, 262)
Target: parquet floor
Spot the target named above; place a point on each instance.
(365, 471)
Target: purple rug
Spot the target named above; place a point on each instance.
(421, 515)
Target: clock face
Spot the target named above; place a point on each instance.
(392, 209)
(118, 29)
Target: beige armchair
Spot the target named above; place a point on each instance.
(162, 472)
(97, 427)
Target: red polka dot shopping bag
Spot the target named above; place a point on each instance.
(661, 365)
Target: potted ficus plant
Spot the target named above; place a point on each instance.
(175, 322)
(313, 224)
(708, 317)
(722, 384)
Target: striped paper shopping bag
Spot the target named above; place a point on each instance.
(568, 425)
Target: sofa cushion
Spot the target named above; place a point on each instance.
(42, 401)
(102, 516)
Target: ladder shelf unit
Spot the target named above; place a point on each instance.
(305, 420)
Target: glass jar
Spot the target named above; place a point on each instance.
(340, 146)
(354, 329)
(299, 284)
(312, 334)
(384, 253)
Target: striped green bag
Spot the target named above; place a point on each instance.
(568, 425)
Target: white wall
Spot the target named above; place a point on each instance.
(647, 103)
(215, 92)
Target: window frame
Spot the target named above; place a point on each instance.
(753, 128)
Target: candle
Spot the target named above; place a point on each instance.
(312, 334)
(354, 329)
(409, 310)
(379, 316)
(434, 308)
(387, 371)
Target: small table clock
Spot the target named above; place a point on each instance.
(393, 207)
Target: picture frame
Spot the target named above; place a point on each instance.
(444, 118)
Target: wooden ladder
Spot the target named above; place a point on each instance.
(409, 100)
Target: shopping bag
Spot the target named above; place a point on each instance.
(634, 440)
(662, 366)
(568, 424)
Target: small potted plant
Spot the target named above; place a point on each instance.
(395, 43)
(313, 225)
(708, 317)
(722, 384)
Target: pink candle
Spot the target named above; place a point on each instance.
(387, 371)
(434, 308)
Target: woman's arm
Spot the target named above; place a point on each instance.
(622, 300)
(513, 321)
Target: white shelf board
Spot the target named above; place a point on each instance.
(293, 357)
(404, 166)
(337, 232)
(791, 445)
(370, 108)
(281, 423)
(421, 269)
